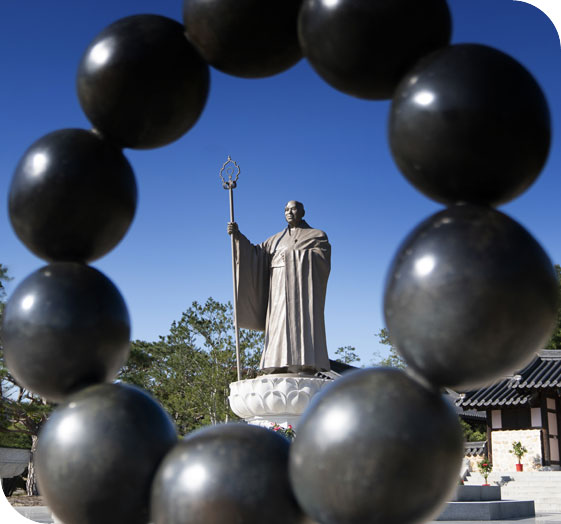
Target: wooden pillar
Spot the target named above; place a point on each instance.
(545, 433)
(489, 436)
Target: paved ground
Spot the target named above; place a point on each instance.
(36, 513)
(43, 515)
(540, 519)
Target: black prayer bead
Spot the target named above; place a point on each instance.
(73, 196)
(356, 458)
(65, 326)
(226, 473)
(470, 296)
(141, 83)
(97, 455)
(364, 47)
(246, 38)
(470, 124)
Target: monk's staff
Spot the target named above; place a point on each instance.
(231, 168)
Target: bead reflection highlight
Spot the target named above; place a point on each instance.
(424, 265)
(194, 477)
(101, 52)
(27, 302)
(336, 423)
(69, 429)
(37, 163)
(424, 98)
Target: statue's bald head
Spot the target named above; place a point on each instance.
(294, 212)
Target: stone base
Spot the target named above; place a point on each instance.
(491, 510)
(477, 493)
(274, 399)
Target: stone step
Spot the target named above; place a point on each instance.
(492, 510)
(519, 481)
(519, 476)
(524, 485)
(543, 487)
(552, 482)
(548, 508)
(525, 473)
(517, 493)
(529, 485)
(511, 486)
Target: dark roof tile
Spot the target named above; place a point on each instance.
(543, 372)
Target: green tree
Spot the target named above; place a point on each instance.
(21, 412)
(190, 369)
(555, 340)
(347, 355)
(393, 359)
(4, 279)
(474, 432)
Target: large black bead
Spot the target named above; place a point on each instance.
(357, 455)
(470, 297)
(97, 455)
(65, 326)
(73, 196)
(246, 38)
(226, 473)
(364, 47)
(470, 124)
(141, 83)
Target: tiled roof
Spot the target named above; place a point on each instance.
(466, 414)
(544, 373)
(475, 449)
(517, 390)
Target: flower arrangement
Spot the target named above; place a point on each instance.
(485, 467)
(287, 432)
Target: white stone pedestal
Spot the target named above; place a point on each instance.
(274, 399)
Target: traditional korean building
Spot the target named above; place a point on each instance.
(524, 407)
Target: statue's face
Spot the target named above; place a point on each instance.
(294, 212)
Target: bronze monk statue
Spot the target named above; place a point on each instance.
(281, 288)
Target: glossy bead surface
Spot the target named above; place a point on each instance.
(470, 297)
(226, 473)
(470, 124)
(73, 196)
(98, 453)
(246, 38)
(65, 326)
(141, 83)
(356, 459)
(364, 47)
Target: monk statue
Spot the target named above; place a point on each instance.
(281, 287)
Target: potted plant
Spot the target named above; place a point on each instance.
(518, 450)
(485, 467)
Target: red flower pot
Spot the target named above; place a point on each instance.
(519, 467)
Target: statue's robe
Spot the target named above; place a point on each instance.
(282, 285)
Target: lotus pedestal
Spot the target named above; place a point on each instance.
(274, 399)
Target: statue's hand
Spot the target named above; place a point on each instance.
(233, 228)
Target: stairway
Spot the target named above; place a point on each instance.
(543, 487)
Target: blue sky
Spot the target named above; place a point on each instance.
(294, 138)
